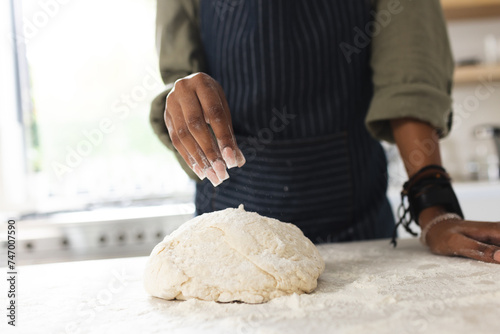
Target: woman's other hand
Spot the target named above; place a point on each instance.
(472, 239)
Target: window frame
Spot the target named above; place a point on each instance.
(26, 193)
(15, 105)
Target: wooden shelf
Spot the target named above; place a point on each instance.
(470, 9)
(472, 74)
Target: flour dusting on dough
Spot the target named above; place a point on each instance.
(233, 255)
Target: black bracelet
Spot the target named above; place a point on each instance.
(430, 186)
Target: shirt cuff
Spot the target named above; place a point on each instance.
(418, 101)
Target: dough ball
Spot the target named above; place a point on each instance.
(233, 255)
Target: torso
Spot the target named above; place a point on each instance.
(298, 109)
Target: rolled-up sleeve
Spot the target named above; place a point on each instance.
(412, 67)
(180, 53)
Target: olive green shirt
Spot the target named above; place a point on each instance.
(410, 58)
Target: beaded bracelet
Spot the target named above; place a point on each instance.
(435, 221)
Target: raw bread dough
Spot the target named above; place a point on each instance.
(233, 255)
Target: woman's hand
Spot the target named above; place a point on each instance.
(418, 143)
(472, 239)
(195, 102)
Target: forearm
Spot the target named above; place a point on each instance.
(418, 144)
(180, 54)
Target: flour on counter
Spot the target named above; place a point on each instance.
(379, 289)
(233, 255)
(367, 287)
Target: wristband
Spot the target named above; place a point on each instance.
(433, 189)
(430, 186)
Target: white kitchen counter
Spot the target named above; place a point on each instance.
(367, 287)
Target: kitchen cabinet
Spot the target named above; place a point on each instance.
(455, 10)
(470, 9)
(470, 74)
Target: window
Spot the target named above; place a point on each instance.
(92, 75)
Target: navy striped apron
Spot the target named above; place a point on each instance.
(298, 109)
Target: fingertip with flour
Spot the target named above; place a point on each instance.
(230, 157)
(496, 256)
(240, 158)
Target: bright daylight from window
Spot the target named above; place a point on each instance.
(93, 73)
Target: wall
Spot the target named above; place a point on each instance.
(460, 148)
